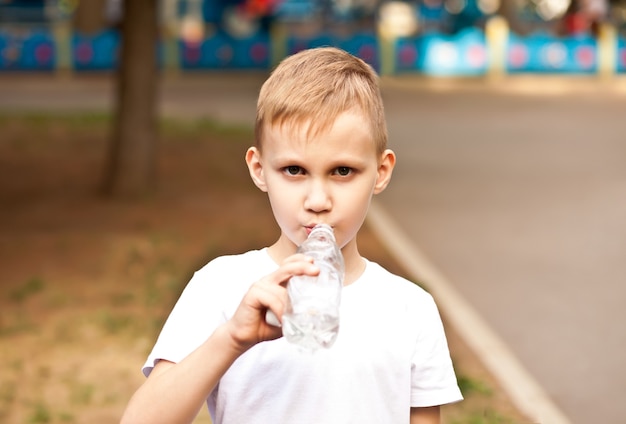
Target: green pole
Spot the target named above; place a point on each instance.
(62, 34)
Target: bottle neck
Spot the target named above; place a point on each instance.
(323, 229)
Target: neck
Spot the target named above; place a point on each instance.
(355, 265)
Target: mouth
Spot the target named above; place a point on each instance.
(310, 227)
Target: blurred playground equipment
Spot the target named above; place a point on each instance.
(430, 37)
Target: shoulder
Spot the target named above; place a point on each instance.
(231, 272)
(394, 285)
(399, 295)
(219, 284)
(236, 261)
(231, 266)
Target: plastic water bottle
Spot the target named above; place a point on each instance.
(311, 317)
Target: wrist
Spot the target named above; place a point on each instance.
(230, 340)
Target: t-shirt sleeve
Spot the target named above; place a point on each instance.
(193, 319)
(433, 379)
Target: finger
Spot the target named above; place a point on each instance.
(272, 300)
(247, 326)
(294, 265)
(263, 296)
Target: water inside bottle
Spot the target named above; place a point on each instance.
(311, 317)
(311, 327)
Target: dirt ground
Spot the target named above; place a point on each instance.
(87, 281)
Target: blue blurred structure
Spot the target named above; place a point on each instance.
(621, 55)
(447, 44)
(542, 53)
(95, 53)
(364, 45)
(27, 50)
(438, 54)
(296, 9)
(222, 51)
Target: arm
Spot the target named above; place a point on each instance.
(428, 415)
(174, 393)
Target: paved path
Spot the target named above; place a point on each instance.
(520, 201)
(517, 196)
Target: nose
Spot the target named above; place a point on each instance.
(318, 198)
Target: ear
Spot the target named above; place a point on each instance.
(385, 169)
(255, 167)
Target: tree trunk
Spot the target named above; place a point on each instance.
(510, 10)
(90, 16)
(131, 163)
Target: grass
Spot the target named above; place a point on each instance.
(485, 417)
(29, 288)
(82, 393)
(40, 414)
(470, 386)
(14, 322)
(98, 277)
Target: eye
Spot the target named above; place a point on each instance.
(343, 171)
(293, 170)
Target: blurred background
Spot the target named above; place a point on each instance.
(440, 37)
(122, 132)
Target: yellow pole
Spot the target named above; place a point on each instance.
(497, 35)
(387, 45)
(607, 50)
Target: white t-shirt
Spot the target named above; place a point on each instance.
(391, 352)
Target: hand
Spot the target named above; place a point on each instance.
(248, 326)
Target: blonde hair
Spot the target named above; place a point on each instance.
(314, 87)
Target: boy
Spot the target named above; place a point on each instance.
(320, 155)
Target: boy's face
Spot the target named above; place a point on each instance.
(328, 179)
